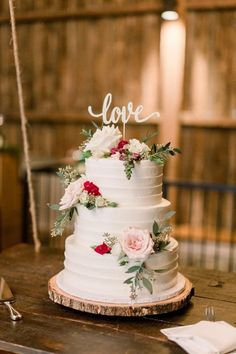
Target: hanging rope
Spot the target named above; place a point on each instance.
(24, 127)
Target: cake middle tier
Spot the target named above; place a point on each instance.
(90, 225)
(143, 188)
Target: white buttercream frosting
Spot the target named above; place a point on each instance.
(90, 275)
(144, 187)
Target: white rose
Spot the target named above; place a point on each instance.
(84, 197)
(136, 147)
(136, 243)
(100, 202)
(72, 193)
(116, 249)
(103, 141)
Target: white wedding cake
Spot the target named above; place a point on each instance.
(121, 250)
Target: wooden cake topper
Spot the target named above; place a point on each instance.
(122, 114)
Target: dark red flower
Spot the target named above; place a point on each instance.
(120, 147)
(121, 144)
(102, 249)
(114, 151)
(91, 188)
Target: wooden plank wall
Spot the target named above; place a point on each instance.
(74, 52)
(208, 134)
(210, 70)
(208, 130)
(70, 63)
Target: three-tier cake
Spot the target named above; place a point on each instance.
(121, 250)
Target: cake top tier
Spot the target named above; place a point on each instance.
(107, 143)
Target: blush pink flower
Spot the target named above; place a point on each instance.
(72, 193)
(137, 243)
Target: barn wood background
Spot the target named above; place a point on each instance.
(74, 52)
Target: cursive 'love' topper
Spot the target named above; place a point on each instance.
(120, 113)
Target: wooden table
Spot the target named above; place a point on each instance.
(50, 328)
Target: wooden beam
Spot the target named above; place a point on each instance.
(220, 123)
(114, 11)
(85, 13)
(201, 5)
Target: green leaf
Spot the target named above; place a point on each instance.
(149, 136)
(87, 133)
(153, 149)
(124, 262)
(60, 223)
(133, 269)
(148, 285)
(168, 215)
(155, 228)
(129, 280)
(90, 206)
(85, 155)
(129, 166)
(122, 255)
(177, 150)
(54, 206)
(95, 125)
(71, 213)
(112, 204)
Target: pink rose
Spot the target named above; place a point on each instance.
(137, 243)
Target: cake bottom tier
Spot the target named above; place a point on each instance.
(90, 276)
(62, 283)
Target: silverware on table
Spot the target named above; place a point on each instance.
(6, 298)
(210, 313)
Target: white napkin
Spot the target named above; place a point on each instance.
(204, 337)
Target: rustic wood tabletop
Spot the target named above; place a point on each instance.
(50, 328)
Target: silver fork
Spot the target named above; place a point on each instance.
(210, 313)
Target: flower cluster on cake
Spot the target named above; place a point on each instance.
(121, 250)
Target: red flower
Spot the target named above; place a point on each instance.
(102, 249)
(121, 144)
(114, 151)
(120, 147)
(91, 188)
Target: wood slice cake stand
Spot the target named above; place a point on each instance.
(112, 309)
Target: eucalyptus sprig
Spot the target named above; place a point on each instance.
(149, 136)
(129, 166)
(161, 231)
(160, 153)
(68, 174)
(140, 279)
(62, 221)
(109, 240)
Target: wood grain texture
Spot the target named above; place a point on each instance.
(68, 65)
(210, 68)
(51, 328)
(178, 302)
